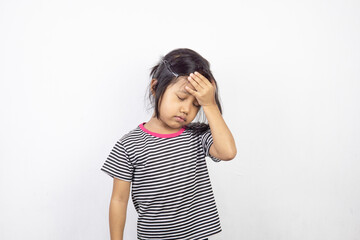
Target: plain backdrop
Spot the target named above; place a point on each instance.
(74, 76)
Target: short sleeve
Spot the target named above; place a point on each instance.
(206, 141)
(118, 163)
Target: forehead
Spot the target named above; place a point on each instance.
(179, 86)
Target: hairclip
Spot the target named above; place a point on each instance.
(167, 65)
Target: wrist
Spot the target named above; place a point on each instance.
(210, 107)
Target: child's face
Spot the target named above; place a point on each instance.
(178, 102)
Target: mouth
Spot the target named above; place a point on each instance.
(180, 118)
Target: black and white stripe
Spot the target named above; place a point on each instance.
(171, 189)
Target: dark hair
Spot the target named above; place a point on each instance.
(179, 62)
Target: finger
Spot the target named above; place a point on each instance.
(194, 82)
(198, 80)
(204, 80)
(190, 90)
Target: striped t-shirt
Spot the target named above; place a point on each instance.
(171, 189)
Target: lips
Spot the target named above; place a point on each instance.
(181, 118)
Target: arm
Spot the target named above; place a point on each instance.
(223, 146)
(118, 208)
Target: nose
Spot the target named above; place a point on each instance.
(185, 107)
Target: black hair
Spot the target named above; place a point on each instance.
(179, 62)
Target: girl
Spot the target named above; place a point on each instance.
(164, 158)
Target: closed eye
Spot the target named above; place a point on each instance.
(182, 99)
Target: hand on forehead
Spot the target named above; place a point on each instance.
(184, 82)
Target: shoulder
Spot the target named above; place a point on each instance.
(198, 128)
(130, 137)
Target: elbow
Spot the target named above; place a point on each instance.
(231, 156)
(225, 154)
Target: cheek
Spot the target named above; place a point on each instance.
(167, 105)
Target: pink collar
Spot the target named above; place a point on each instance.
(161, 135)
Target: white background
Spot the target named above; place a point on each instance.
(74, 75)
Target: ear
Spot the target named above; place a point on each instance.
(153, 85)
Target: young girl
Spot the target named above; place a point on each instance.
(164, 158)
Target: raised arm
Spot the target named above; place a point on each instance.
(223, 146)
